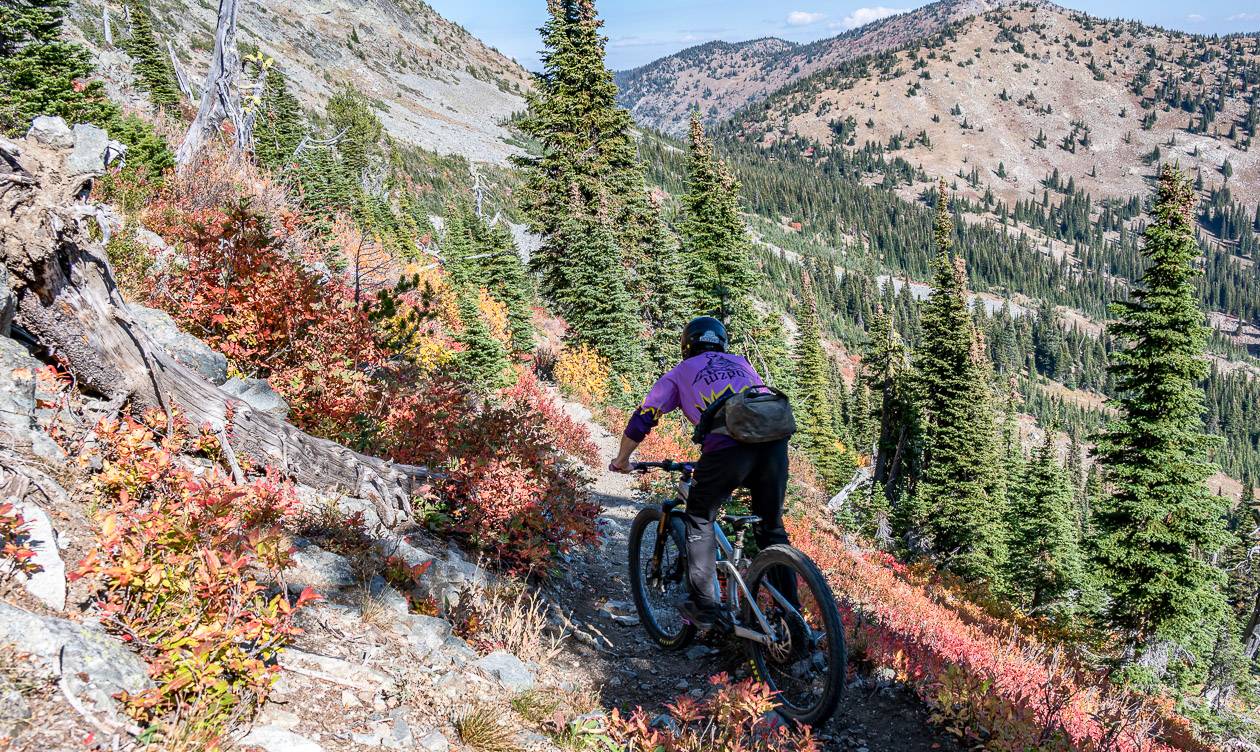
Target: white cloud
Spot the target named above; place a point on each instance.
(1194, 17)
(863, 16)
(1244, 17)
(804, 18)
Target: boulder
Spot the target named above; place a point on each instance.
(316, 568)
(91, 151)
(508, 669)
(180, 345)
(426, 634)
(18, 404)
(276, 739)
(51, 131)
(434, 741)
(258, 394)
(93, 665)
(48, 584)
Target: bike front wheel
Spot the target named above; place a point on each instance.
(658, 590)
(806, 663)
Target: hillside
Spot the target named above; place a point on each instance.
(433, 84)
(720, 78)
(1022, 91)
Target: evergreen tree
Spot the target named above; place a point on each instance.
(39, 71)
(479, 255)
(360, 144)
(960, 489)
(815, 411)
(152, 67)
(1046, 568)
(885, 370)
(280, 125)
(664, 307)
(765, 343)
(715, 241)
(482, 362)
(585, 193)
(1159, 522)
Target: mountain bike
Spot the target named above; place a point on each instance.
(780, 604)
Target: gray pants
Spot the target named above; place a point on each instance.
(763, 470)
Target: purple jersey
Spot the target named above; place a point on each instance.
(693, 385)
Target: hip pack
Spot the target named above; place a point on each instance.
(757, 415)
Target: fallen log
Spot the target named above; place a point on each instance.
(69, 303)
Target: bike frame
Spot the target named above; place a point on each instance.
(729, 557)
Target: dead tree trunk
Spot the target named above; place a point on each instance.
(69, 303)
(109, 30)
(220, 97)
(180, 78)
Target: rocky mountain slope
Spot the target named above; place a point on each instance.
(434, 84)
(719, 78)
(1029, 89)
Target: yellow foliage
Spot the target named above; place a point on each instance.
(495, 315)
(583, 374)
(431, 353)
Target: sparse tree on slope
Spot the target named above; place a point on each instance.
(152, 67)
(280, 125)
(1158, 525)
(715, 240)
(960, 490)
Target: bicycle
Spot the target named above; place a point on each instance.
(795, 644)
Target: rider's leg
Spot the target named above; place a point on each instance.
(717, 474)
(767, 487)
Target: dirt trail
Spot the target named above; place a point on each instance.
(874, 716)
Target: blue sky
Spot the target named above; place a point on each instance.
(640, 31)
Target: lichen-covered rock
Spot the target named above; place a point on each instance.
(180, 345)
(8, 302)
(508, 669)
(258, 394)
(15, 713)
(94, 665)
(91, 151)
(276, 739)
(316, 568)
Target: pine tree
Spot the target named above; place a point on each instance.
(479, 255)
(1159, 522)
(280, 125)
(39, 71)
(1046, 568)
(585, 193)
(960, 489)
(815, 411)
(715, 241)
(152, 67)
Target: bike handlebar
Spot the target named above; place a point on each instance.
(668, 465)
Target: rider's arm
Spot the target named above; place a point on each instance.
(662, 398)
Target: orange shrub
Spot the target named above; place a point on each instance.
(180, 568)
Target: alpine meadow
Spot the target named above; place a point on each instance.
(328, 329)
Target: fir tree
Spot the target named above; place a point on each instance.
(585, 193)
(482, 362)
(152, 67)
(39, 71)
(360, 144)
(658, 280)
(280, 125)
(1046, 568)
(815, 411)
(1159, 522)
(715, 241)
(960, 489)
(885, 369)
(477, 254)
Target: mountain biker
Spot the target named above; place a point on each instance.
(706, 374)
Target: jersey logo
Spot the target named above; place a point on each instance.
(719, 368)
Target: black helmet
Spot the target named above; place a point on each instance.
(703, 334)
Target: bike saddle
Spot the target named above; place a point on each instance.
(738, 521)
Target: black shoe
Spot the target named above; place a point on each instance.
(707, 619)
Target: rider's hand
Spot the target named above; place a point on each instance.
(620, 465)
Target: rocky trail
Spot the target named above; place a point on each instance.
(876, 714)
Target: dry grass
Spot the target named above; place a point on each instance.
(373, 611)
(479, 728)
(537, 706)
(510, 618)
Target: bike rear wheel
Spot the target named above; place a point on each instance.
(806, 665)
(657, 593)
